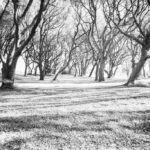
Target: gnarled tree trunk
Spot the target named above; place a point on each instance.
(136, 70)
(8, 74)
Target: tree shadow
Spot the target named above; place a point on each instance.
(13, 145)
(56, 126)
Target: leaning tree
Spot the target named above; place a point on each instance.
(131, 18)
(18, 33)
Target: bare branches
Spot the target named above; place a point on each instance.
(129, 17)
(4, 10)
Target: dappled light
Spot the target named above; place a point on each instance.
(74, 75)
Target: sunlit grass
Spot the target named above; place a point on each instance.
(76, 115)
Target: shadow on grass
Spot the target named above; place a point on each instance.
(47, 123)
(140, 120)
(87, 122)
(13, 145)
(27, 123)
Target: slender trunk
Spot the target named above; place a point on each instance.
(56, 75)
(111, 69)
(42, 72)
(25, 71)
(8, 74)
(59, 72)
(101, 71)
(114, 72)
(75, 74)
(137, 68)
(84, 69)
(110, 74)
(80, 71)
(144, 74)
(92, 70)
(133, 63)
(35, 71)
(61, 69)
(70, 69)
(97, 72)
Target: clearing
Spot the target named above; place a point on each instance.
(74, 114)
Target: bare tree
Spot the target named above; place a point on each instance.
(70, 43)
(18, 36)
(134, 51)
(131, 18)
(117, 56)
(100, 37)
(28, 62)
(45, 47)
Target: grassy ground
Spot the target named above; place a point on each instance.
(74, 114)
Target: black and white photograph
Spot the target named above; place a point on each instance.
(74, 74)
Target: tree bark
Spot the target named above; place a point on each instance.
(101, 71)
(110, 74)
(8, 74)
(60, 71)
(92, 70)
(35, 71)
(97, 72)
(56, 75)
(42, 74)
(75, 74)
(144, 74)
(25, 71)
(138, 67)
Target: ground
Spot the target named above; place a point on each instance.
(74, 114)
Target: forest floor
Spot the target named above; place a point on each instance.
(74, 114)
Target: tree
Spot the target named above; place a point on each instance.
(100, 37)
(69, 43)
(117, 56)
(81, 59)
(131, 18)
(19, 33)
(134, 52)
(27, 61)
(45, 47)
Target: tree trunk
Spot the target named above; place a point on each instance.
(75, 74)
(137, 68)
(101, 71)
(97, 72)
(35, 71)
(25, 71)
(110, 74)
(133, 63)
(8, 75)
(60, 71)
(56, 75)
(42, 72)
(42, 75)
(70, 69)
(92, 70)
(144, 74)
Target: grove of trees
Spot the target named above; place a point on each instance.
(78, 37)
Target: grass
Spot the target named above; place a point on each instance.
(74, 114)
